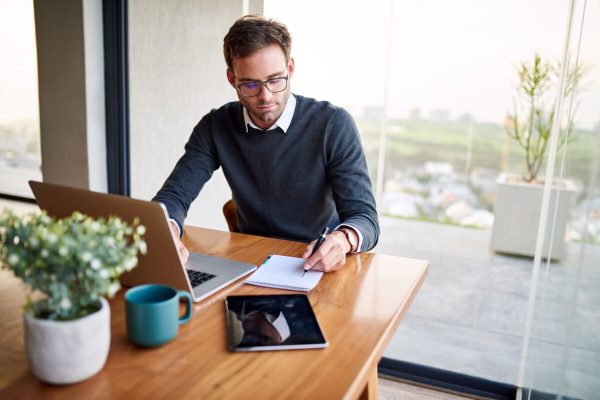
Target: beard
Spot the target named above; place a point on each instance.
(267, 112)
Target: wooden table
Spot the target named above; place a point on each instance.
(359, 308)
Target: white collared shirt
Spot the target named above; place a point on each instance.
(284, 120)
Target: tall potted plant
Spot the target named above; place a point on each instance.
(69, 265)
(517, 206)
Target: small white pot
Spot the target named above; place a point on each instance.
(64, 352)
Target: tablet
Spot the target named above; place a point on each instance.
(272, 322)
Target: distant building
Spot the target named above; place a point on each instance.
(402, 204)
(372, 112)
(465, 118)
(439, 115)
(439, 168)
(415, 115)
(484, 179)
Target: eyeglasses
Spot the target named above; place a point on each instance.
(273, 85)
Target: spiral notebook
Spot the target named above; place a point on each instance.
(283, 272)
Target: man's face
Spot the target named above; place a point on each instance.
(268, 63)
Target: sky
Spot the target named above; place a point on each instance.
(18, 68)
(458, 55)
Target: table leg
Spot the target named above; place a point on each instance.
(370, 390)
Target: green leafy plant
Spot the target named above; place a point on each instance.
(72, 261)
(530, 123)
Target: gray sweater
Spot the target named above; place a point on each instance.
(285, 185)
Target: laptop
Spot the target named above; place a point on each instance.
(202, 276)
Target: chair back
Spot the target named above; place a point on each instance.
(230, 213)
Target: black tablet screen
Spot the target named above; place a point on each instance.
(272, 322)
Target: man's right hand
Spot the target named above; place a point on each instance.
(183, 252)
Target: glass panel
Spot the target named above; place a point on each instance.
(345, 66)
(564, 347)
(457, 76)
(442, 95)
(20, 156)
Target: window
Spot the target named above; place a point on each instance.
(430, 84)
(20, 157)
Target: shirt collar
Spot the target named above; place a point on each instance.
(284, 120)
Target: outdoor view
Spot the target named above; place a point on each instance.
(20, 158)
(445, 170)
(449, 94)
(434, 87)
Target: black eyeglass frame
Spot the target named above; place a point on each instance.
(265, 84)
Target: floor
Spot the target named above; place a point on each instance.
(470, 314)
(395, 390)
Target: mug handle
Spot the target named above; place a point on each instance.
(188, 303)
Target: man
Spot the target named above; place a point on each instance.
(259, 327)
(294, 165)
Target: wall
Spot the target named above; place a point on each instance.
(177, 75)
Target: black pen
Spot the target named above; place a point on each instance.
(320, 241)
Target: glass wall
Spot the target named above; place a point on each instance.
(437, 90)
(561, 354)
(20, 157)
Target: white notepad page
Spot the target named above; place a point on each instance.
(283, 272)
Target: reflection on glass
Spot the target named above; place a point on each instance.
(271, 323)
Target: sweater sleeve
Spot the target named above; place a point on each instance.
(191, 172)
(349, 178)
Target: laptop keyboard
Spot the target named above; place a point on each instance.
(197, 277)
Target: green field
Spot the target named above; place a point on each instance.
(411, 143)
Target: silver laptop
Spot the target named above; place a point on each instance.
(202, 276)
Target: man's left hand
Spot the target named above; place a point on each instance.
(331, 255)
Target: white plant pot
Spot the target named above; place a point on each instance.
(517, 215)
(64, 352)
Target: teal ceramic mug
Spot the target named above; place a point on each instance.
(152, 314)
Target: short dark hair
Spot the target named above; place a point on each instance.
(252, 33)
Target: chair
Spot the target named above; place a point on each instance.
(229, 211)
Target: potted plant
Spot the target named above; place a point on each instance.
(518, 201)
(69, 265)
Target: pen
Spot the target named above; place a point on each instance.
(320, 241)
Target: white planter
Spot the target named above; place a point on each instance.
(517, 215)
(63, 352)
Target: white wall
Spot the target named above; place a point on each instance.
(176, 76)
